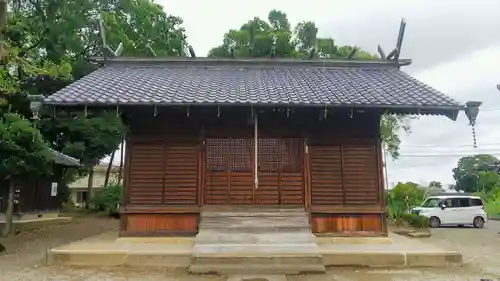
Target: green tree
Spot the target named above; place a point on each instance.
(50, 31)
(487, 180)
(409, 192)
(54, 28)
(24, 155)
(259, 38)
(435, 184)
(475, 173)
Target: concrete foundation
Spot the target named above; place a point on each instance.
(179, 253)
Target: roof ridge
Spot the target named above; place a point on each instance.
(282, 62)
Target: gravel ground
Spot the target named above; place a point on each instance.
(481, 249)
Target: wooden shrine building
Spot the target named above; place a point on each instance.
(253, 132)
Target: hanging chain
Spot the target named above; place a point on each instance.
(474, 135)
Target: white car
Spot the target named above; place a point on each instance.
(453, 209)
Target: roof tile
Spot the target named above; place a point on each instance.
(119, 84)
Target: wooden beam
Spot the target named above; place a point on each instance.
(119, 49)
(352, 53)
(273, 52)
(312, 53)
(103, 37)
(201, 168)
(191, 51)
(401, 35)
(307, 176)
(153, 53)
(392, 54)
(381, 52)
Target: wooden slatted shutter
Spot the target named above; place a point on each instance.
(146, 173)
(360, 174)
(291, 172)
(181, 173)
(240, 168)
(216, 175)
(326, 175)
(268, 191)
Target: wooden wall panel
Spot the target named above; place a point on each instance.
(348, 224)
(326, 175)
(160, 224)
(268, 192)
(162, 172)
(146, 173)
(361, 177)
(181, 174)
(292, 189)
(345, 174)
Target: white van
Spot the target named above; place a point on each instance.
(453, 209)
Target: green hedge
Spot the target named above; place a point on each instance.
(108, 198)
(416, 220)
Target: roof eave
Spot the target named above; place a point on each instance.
(450, 111)
(63, 159)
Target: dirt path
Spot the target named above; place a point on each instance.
(28, 248)
(481, 248)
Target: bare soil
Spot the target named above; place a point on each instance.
(481, 249)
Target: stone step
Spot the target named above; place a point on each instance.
(254, 214)
(256, 249)
(253, 222)
(255, 260)
(207, 237)
(256, 230)
(291, 269)
(282, 219)
(252, 208)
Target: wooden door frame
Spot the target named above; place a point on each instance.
(304, 170)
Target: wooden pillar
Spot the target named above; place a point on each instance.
(126, 183)
(201, 168)
(380, 171)
(307, 176)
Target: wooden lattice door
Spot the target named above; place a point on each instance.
(280, 172)
(228, 171)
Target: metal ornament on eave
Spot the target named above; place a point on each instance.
(471, 111)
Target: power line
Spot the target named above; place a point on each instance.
(434, 156)
(451, 146)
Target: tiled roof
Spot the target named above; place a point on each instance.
(63, 159)
(163, 83)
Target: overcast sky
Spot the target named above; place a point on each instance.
(454, 44)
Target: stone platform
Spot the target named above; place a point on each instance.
(176, 253)
(281, 243)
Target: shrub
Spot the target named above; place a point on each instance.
(108, 198)
(416, 220)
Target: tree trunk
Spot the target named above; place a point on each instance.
(120, 170)
(7, 229)
(90, 185)
(4, 48)
(110, 165)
